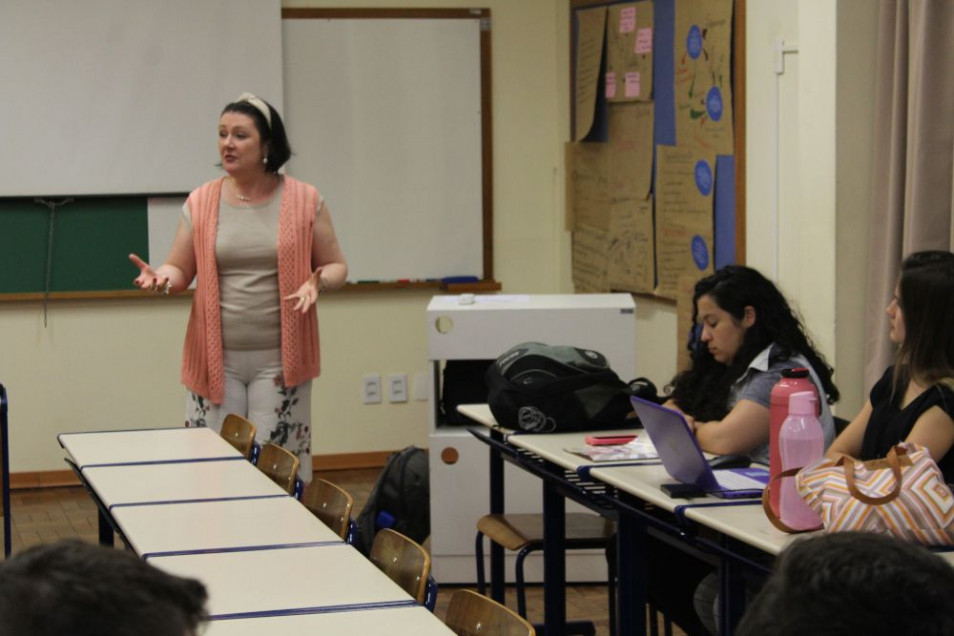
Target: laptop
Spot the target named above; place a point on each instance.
(683, 459)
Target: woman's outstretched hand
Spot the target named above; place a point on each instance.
(307, 294)
(148, 278)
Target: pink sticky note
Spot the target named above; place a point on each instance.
(610, 85)
(632, 84)
(644, 40)
(627, 20)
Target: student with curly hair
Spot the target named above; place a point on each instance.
(744, 334)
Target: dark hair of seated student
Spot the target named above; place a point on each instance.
(703, 390)
(852, 583)
(74, 588)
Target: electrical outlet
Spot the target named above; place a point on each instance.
(397, 387)
(371, 389)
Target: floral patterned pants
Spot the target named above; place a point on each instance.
(254, 389)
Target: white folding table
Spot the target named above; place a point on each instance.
(394, 621)
(277, 581)
(146, 445)
(197, 526)
(187, 481)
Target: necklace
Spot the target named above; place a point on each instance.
(238, 195)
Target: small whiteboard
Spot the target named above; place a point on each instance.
(385, 117)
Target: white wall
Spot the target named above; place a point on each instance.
(115, 363)
(808, 158)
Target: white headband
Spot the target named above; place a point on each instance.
(259, 104)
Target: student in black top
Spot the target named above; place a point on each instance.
(914, 399)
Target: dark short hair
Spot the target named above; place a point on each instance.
(851, 583)
(279, 150)
(77, 588)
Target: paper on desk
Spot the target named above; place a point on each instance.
(640, 448)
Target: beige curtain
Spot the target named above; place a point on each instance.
(913, 164)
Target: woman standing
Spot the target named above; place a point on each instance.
(263, 249)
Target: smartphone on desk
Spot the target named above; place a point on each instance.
(608, 440)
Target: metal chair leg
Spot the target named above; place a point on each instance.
(479, 553)
(521, 590)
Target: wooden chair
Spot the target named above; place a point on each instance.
(280, 465)
(472, 614)
(403, 560)
(523, 534)
(240, 433)
(331, 504)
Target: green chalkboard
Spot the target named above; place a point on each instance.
(92, 238)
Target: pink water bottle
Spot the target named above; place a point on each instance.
(801, 441)
(793, 381)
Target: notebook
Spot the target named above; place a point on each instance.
(683, 459)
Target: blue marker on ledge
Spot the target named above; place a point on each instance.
(455, 280)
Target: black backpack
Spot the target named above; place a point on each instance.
(544, 389)
(400, 499)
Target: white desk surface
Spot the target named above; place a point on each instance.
(164, 444)
(481, 414)
(220, 525)
(284, 579)
(551, 447)
(394, 621)
(146, 483)
(645, 483)
(747, 524)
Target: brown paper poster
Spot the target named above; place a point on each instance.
(629, 52)
(703, 65)
(587, 186)
(589, 54)
(630, 248)
(685, 288)
(685, 180)
(589, 259)
(631, 149)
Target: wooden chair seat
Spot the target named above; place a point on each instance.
(280, 464)
(516, 531)
(523, 534)
(330, 503)
(472, 614)
(403, 560)
(240, 433)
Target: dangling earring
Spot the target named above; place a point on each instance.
(265, 160)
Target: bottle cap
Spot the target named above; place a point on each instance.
(801, 403)
(797, 372)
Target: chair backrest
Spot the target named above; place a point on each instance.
(473, 614)
(403, 560)
(279, 464)
(240, 433)
(330, 503)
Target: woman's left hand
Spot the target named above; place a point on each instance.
(307, 294)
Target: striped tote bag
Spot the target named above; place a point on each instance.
(903, 495)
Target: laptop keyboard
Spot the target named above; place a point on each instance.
(735, 481)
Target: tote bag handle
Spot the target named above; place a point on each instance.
(894, 463)
(767, 506)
